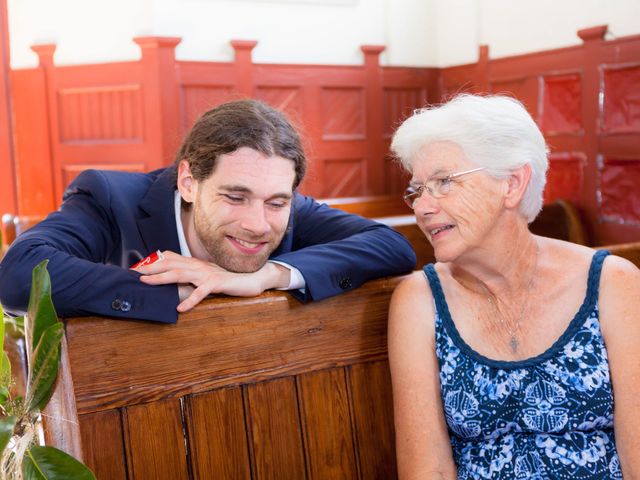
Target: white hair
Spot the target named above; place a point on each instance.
(495, 132)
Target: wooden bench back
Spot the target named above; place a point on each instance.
(12, 226)
(372, 206)
(239, 388)
(556, 220)
(630, 251)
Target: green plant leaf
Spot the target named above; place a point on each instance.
(6, 431)
(40, 313)
(5, 370)
(5, 366)
(49, 463)
(2, 326)
(5, 378)
(43, 370)
(14, 326)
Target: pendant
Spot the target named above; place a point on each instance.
(514, 344)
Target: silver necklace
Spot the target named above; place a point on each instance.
(514, 329)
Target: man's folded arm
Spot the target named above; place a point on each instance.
(336, 251)
(76, 241)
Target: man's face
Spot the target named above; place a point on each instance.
(240, 213)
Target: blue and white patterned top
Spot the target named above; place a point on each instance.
(546, 417)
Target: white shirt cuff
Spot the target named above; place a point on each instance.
(296, 282)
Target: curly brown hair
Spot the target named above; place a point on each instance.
(241, 123)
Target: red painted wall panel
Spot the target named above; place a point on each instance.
(8, 193)
(621, 99)
(565, 177)
(34, 176)
(561, 104)
(132, 116)
(620, 190)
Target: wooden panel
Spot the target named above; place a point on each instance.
(565, 177)
(344, 178)
(620, 190)
(287, 99)
(398, 104)
(561, 104)
(197, 99)
(327, 425)
(8, 192)
(240, 347)
(217, 435)
(103, 444)
(458, 79)
(154, 441)
(621, 101)
(33, 154)
(630, 251)
(343, 114)
(372, 206)
(101, 114)
(275, 430)
(373, 415)
(60, 416)
(525, 89)
(70, 172)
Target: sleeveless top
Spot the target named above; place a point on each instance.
(546, 417)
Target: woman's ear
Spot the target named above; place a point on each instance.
(516, 185)
(187, 185)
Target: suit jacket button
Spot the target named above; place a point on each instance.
(116, 304)
(126, 306)
(345, 283)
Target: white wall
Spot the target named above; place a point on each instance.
(514, 26)
(416, 32)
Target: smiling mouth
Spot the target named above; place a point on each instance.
(246, 246)
(436, 231)
(244, 243)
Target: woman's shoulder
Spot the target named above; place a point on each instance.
(412, 294)
(620, 279)
(567, 252)
(412, 311)
(413, 287)
(564, 253)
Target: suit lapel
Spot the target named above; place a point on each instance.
(157, 224)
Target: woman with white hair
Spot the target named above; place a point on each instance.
(507, 354)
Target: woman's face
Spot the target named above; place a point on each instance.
(464, 217)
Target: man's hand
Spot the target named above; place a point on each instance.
(210, 278)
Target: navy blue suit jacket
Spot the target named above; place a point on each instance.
(110, 220)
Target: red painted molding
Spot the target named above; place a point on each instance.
(373, 49)
(243, 44)
(157, 42)
(593, 33)
(374, 156)
(8, 192)
(483, 69)
(244, 66)
(161, 97)
(130, 115)
(45, 54)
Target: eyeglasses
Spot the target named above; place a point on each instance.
(437, 187)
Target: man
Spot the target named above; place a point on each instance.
(230, 209)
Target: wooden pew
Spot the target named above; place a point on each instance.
(556, 220)
(372, 206)
(14, 225)
(254, 388)
(630, 251)
(260, 388)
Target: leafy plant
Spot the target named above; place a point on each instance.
(22, 457)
